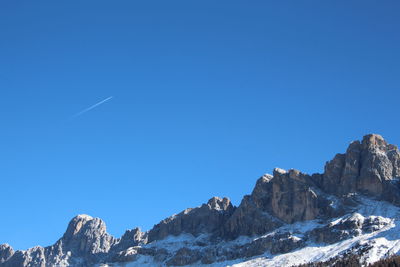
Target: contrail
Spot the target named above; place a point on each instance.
(91, 107)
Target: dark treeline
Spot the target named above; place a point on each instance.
(354, 261)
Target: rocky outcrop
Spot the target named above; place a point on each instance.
(275, 244)
(366, 167)
(130, 238)
(285, 197)
(249, 220)
(184, 256)
(6, 251)
(33, 257)
(87, 236)
(85, 241)
(295, 197)
(204, 219)
(354, 225)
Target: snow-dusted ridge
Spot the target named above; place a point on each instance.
(381, 243)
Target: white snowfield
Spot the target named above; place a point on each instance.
(381, 243)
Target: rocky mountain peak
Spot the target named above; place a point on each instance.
(288, 196)
(86, 235)
(217, 203)
(6, 251)
(204, 219)
(374, 141)
(76, 224)
(365, 167)
(278, 171)
(84, 226)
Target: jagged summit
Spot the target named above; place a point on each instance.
(83, 217)
(76, 224)
(374, 140)
(365, 167)
(334, 203)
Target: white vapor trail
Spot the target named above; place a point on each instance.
(92, 107)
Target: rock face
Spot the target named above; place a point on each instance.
(251, 218)
(275, 244)
(354, 225)
(184, 256)
(285, 197)
(293, 197)
(84, 242)
(6, 251)
(130, 238)
(265, 218)
(366, 167)
(87, 236)
(33, 257)
(204, 219)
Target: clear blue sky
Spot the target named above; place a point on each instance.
(207, 97)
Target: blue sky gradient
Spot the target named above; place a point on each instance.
(207, 97)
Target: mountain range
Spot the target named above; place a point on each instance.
(290, 218)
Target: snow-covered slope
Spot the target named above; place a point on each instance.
(371, 246)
